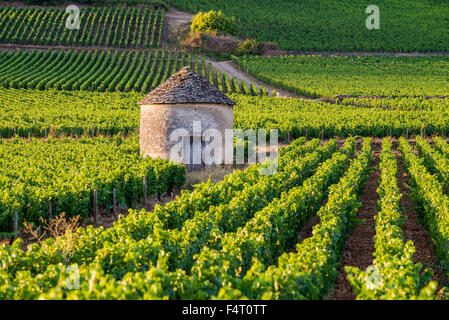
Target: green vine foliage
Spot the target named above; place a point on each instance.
(67, 171)
(122, 27)
(334, 76)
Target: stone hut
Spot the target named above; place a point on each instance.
(185, 105)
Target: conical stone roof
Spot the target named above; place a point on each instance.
(186, 86)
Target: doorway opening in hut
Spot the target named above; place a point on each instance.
(193, 152)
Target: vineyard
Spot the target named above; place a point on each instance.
(107, 71)
(208, 215)
(35, 113)
(233, 240)
(364, 117)
(66, 173)
(94, 207)
(323, 25)
(31, 113)
(320, 76)
(100, 27)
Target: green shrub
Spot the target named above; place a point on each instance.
(248, 47)
(213, 22)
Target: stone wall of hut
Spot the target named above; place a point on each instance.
(159, 120)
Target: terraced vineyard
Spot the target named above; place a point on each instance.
(321, 76)
(99, 27)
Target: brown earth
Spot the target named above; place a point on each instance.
(234, 71)
(215, 43)
(274, 53)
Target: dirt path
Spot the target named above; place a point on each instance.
(359, 247)
(415, 231)
(175, 26)
(176, 18)
(234, 71)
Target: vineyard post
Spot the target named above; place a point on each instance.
(50, 210)
(144, 190)
(407, 134)
(322, 134)
(15, 226)
(114, 201)
(306, 134)
(288, 135)
(95, 207)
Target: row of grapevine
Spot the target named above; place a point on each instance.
(100, 71)
(232, 240)
(26, 112)
(129, 27)
(427, 191)
(309, 271)
(67, 171)
(436, 161)
(99, 245)
(185, 241)
(92, 71)
(295, 117)
(394, 275)
(222, 80)
(271, 232)
(29, 113)
(174, 213)
(203, 257)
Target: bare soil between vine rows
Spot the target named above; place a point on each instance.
(359, 247)
(414, 230)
